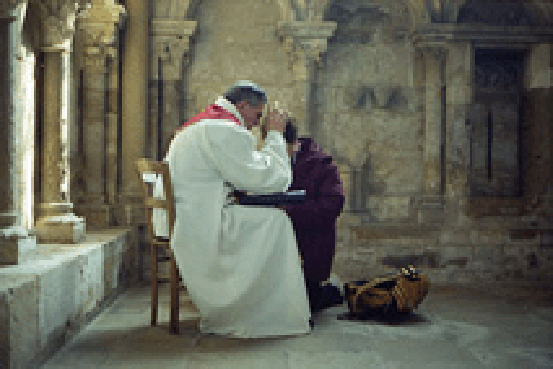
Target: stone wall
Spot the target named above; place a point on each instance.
(371, 120)
(377, 108)
(487, 255)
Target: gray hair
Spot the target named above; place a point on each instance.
(246, 91)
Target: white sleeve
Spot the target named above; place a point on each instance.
(231, 149)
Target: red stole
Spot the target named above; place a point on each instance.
(211, 112)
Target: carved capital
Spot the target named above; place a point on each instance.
(307, 30)
(58, 23)
(93, 59)
(99, 23)
(8, 9)
(172, 43)
(305, 42)
(438, 52)
(303, 10)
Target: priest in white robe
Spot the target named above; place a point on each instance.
(240, 263)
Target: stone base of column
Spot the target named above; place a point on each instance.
(98, 216)
(431, 209)
(66, 228)
(129, 214)
(15, 242)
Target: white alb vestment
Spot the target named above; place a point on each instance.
(240, 263)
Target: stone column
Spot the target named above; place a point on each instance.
(459, 72)
(97, 35)
(305, 43)
(57, 223)
(112, 134)
(432, 201)
(171, 39)
(538, 90)
(14, 239)
(135, 112)
(435, 62)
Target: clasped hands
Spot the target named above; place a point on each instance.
(275, 120)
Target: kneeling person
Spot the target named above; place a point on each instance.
(315, 220)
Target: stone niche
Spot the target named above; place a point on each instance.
(497, 125)
(367, 114)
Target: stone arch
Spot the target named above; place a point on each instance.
(495, 13)
(175, 8)
(423, 13)
(396, 9)
(30, 31)
(545, 8)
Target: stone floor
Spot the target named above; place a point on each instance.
(453, 328)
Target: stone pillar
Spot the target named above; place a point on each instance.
(135, 111)
(112, 115)
(538, 90)
(15, 241)
(435, 62)
(57, 223)
(305, 43)
(431, 206)
(459, 72)
(171, 39)
(97, 35)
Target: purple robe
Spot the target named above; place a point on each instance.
(314, 220)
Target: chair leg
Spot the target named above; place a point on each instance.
(174, 323)
(154, 285)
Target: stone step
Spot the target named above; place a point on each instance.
(57, 290)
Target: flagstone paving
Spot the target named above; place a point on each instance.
(453, 328)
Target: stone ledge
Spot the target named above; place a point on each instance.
(57, 290)
(449, 264)
(380, 231)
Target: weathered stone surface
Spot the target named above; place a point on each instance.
(378, 109)
(14, 246)
(19, 314)
(56, 290)
(61, 229)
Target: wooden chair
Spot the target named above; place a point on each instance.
(161, 247)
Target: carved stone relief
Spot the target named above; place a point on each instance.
(380, 97)
(172, 43)
(58, 22)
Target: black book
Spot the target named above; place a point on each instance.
(283, 198)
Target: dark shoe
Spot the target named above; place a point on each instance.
(330, 297)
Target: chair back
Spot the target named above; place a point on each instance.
(149, 170)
